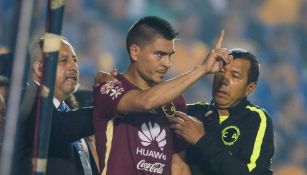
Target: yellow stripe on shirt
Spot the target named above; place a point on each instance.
(109, 134)
(259, 138)
(223, 118)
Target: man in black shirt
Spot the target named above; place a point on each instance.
(229, 136)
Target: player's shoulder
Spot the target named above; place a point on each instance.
(104, 88)
(258, 114)
(197, 106)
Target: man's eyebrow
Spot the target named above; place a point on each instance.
(164, 53)
(172, 52)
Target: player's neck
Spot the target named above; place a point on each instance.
(135, 78)
(223, 112)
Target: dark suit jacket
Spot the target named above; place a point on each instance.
(67, 127)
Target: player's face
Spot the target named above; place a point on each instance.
(67, 76)
(230, 86)
(154, 59)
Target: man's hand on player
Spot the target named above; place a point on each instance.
(103, 77)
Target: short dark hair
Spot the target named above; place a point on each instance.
(145, 29)
(254, 69)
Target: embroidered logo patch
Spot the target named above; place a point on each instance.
(112, 88)
(230, 135)
(169, 110)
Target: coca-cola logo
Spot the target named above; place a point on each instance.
(150, 167)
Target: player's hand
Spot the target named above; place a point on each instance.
(189, 128)
(103, 77)
(218, 58)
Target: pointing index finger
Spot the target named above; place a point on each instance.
(220, 40)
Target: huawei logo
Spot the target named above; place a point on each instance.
(152, 133)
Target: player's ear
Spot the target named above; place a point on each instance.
(250, 88)
(38, 69)
(134, 51)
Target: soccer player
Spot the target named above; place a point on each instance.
(131, 113)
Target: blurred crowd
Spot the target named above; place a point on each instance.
(275, 30)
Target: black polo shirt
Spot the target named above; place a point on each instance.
(242, 144)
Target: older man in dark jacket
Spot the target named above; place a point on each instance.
(69, 153)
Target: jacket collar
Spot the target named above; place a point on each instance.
(235, 109)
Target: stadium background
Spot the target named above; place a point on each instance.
(275, 30)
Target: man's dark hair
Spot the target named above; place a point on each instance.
(254, 69)
(145, 29)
